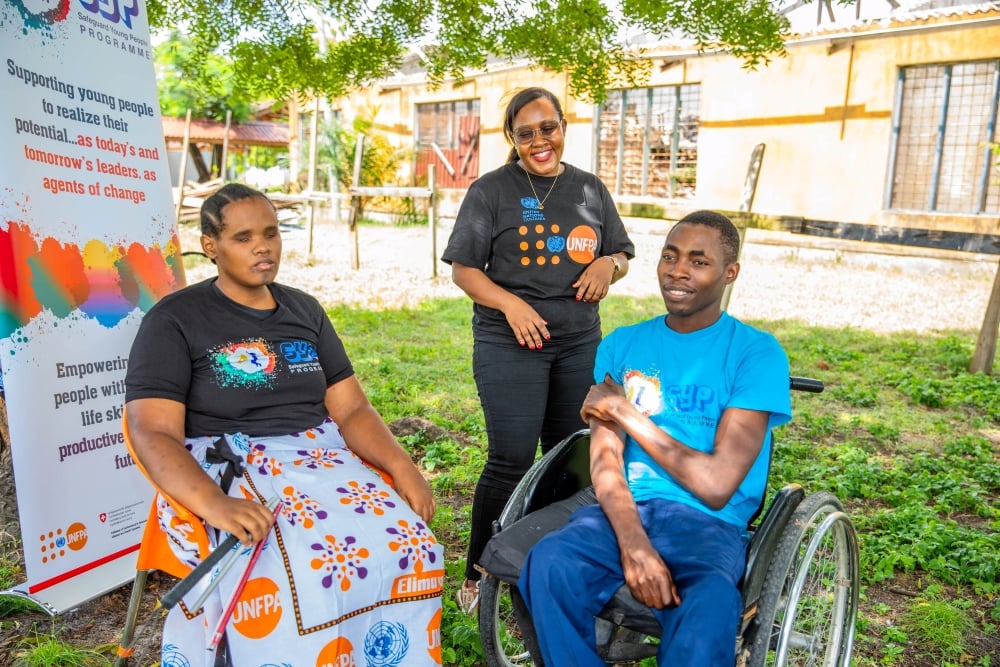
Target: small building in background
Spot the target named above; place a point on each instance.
(209, 139)
(878, 122)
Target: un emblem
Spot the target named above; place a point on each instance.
(386, 644)
(172, 657)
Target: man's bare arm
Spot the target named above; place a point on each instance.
(711, 476)
(645, 572)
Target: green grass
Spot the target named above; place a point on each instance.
(49, 651)
(941, 626)
(903, 435)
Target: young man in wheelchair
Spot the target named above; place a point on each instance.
(680, 421)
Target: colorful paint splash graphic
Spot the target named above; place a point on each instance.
(102, 282)
(42, 13)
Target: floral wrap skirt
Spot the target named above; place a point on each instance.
(349, 576)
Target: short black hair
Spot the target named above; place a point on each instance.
(520, 100)
(728, 233)
(211, 209)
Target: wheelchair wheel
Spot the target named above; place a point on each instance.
(501, 611)
(809, 599)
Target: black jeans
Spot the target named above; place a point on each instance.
(527, 396)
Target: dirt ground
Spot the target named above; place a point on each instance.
(818, 281)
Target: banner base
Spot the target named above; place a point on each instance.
(65, 595)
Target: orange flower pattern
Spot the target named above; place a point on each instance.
(414, 543)
(366, 497)
(341, 560)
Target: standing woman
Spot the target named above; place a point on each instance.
(536, 246)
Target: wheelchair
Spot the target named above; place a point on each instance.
(800, 586)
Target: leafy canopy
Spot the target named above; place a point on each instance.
(179, 70)
(327, 47)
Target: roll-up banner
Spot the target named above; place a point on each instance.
(88, 242)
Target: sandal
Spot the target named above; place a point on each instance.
(468, 598)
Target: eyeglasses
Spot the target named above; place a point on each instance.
(548, 129)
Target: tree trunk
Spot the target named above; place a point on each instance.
(986, 344)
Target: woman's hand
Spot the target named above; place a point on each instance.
(528, 326)
(248, 520)
(156, 430)
(415, 490)
(367, 435)
(595, 281)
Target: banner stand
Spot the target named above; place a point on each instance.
(88, 243)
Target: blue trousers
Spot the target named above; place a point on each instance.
(527, 396)
(572, 572)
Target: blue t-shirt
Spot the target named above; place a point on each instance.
(684, 382)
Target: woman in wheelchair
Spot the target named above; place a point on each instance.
(242, 375)
(680, 423)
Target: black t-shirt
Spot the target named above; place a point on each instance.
(235, 370)
(537, 253)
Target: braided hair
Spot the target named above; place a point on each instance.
(211, 210)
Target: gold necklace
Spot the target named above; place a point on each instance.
(541, 203)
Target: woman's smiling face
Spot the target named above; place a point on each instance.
(542, 155)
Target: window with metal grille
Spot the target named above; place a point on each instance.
(943, 127)
(648, 140)
(448, 136)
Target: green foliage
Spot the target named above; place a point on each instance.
(895, 437)
(336, 147)
(12, 573)
(278, 50)
(416, 362)
(200, 82)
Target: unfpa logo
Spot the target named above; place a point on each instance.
(54, 543)
(258, 609)
(543, 245)
(338, 653)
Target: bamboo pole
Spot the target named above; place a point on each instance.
(183, 169)
(225, 145)
(432, 218)
(311, 181)
(352, 218)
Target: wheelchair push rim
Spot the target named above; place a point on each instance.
(810, 599)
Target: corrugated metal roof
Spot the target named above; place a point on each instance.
(254, 133)
(907, 14)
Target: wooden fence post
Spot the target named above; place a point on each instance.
(432, 218)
